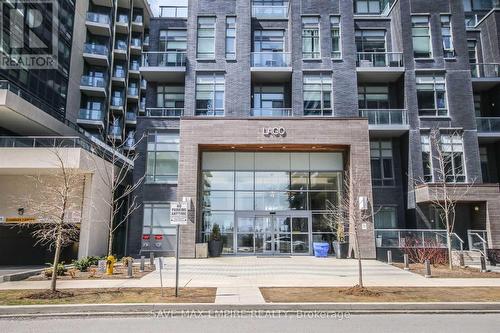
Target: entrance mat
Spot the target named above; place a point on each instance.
(275, 256)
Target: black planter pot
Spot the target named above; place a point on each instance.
(341, 249)
(215, 248)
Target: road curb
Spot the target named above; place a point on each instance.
(181, 309)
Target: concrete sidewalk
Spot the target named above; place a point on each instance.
(238, 273)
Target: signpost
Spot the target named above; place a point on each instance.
(178, 216)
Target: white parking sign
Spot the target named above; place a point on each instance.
(178, 213)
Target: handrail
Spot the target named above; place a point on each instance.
(398, 238)
(460, 240)
(488, 124)
(479, 234)
(163, 112)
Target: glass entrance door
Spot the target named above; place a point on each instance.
(273, 234)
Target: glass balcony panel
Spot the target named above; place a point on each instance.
(98, 18)
(164, 59)
(95, 49)
(93, 81)
(380, 59)
(89, 114)
(271, 59)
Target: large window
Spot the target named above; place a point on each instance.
(431, 95)
(171, 97)
(370, 40)
(310, 38)
(206, 38)
(386, 218)
(269, 40)
(210, 94)
(156, 220)
(452, 147)
(267, 98)
(472, 52)
(446, 34)
(373, 97)
(368, 6)
(426, 158)
(163, 157)
(421, 35)
(382, 163)
(231, 37)
(318, 95)
(336, 41)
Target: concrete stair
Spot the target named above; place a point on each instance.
(471, 258)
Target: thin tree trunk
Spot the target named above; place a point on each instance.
(57, 254)
(450, 263)
(110, 243)
(360, 272)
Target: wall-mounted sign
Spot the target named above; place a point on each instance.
(178, 213)
(24, 219)
(274, 131)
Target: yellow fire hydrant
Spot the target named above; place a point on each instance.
(110, 263)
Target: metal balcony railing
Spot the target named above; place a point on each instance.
(89, 114)
(92, 81)
(416, 238)
(98, 18)
(271, 12)
(488, 124)
(380, 59)
(271, 59)
(165, 112)
(385, 117)
(271, 112)
(95, 49)
(485, 70)
(164, 59)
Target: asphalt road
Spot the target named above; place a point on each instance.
(192, 322)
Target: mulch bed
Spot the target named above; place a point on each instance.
(120, 272)
(443, 271)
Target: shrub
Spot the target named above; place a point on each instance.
(419, 253)
(215, 234)
(85, 263)
(60, 270)
(127, 261)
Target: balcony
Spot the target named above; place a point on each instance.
(134, 69)
(271, 12)
(485, 76)
(271, 112)
(388, 121)
(174, 12)
(120, 50)
(379, 66)
(95, 54)
(274, 66)
(163, 66)
(117, 104)
(135, 45)
(119, 76)
(93, 86)
(164, 112)
(488, 127)
(381, 7)
(121, 24)
(91, 118)
(145, 43)
(138, 23)
(114, 133)
(131, 118)
(98, 24)
(144, 84)
(133, 93)
(129, 144)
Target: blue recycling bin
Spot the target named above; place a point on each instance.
(321, 249)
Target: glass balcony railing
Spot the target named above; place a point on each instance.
(380, 59)
(117, 101)
(373, 7)
(43, 142)
(89, 114)
(92, 81)
(98, 18)
(142, 105)
(271, 112)
(121, 45)
(271, 59)
(135, 42)
(271, 12)
(119, 73)
(174, 11)
(122, 19)
(131, 116)
(134, 66)
(164, 59)
(485, 70)
(387, 117)
(416, 238)
(146, 40)
(144, 84)
(95, 49)
(133, 91)
(115, 130)
(137, 19)
(165, 112)
(488, 125)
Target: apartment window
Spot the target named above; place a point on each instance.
(448, 48)
(318, 95)
(373, 97)
(156, 220)
(483, 157)
(206, 38)
(162, 157)
(171, 97)
(173, 40)
(310, 38)
(477, 104)
(452, 148)
(421, 36)
(336, 41)
(231, 37)
(472, 51)
(431, 95)
(268, 97)
(381, 163)
(210, 94)
(425, 144)
(471, 5)
(386, 218)
(269, 40)
(367, 7)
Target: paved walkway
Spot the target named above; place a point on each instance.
(238, 278)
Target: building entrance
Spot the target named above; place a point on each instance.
(273, 233)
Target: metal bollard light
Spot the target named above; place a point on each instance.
(461, 259)
(141, 267)
(152, 260)
(389, 257)
(130, 269)
(428, 269)
(483, 265)
(406, 261)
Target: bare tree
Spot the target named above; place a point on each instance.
(118, 178)
(59, 196)
(447, 163)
